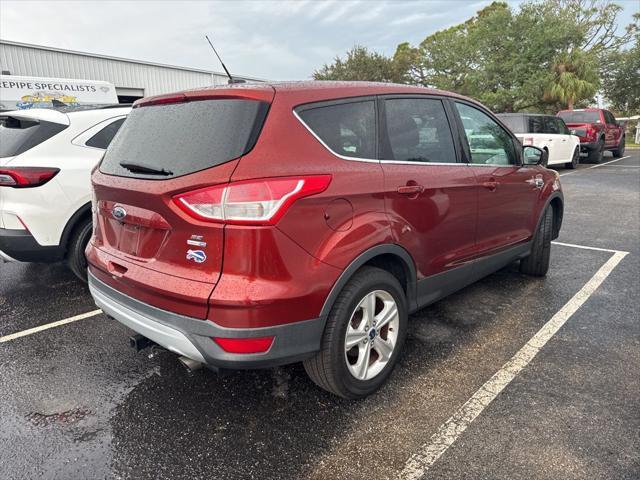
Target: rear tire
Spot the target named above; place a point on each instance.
(76, 259)
(575, 160)
(619, 152)
(335, 367)
(595, 155)
(537, 263)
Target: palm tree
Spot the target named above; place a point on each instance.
(575, 78)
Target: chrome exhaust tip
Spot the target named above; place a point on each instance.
(190, 364)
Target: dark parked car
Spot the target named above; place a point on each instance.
(598, 131)
(255, 225)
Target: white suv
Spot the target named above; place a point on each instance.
(46, 158)
(546, 132)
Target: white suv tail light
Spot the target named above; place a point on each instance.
(26, 177)
(251, 202)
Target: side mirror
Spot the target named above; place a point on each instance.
(534, 155)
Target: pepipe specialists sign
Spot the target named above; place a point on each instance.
(19, 93)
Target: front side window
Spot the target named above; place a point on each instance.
(417, 130)
(562, 127)
(348, 129)
(610, 119)
(489, 143)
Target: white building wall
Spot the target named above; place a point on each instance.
(33, 60)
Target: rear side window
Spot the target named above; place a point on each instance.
(417, 131)
(18, 135)
(552, 126)
(536, 125)
(103, 138)
(348, 129)
(181, 138)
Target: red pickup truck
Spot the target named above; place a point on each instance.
(598, 131)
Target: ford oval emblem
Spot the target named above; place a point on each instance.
(119, 213)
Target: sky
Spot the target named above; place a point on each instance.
(276, 40)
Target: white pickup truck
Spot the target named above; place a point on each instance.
(547, 132)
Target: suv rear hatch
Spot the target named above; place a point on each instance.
(20, 131)
(146, 245)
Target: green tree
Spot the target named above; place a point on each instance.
(360, 64)
(543, 56)
(575, 78)
(621, 84)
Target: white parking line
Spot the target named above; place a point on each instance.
(47, 326)
(595, 166)
(418, 464)
(620, 166)
(585, 247)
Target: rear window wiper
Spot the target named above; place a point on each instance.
(140, 168)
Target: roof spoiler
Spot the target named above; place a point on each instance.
(38, 114)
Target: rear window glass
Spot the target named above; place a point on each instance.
(580, 117)
(348, 129)
(514, 122)
(103, 138)
(181, 138)
(18, 136)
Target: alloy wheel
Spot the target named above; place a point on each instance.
(372, 335)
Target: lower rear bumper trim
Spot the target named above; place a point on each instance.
(192, 337)
(21, 246)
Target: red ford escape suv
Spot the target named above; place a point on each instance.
(256, 225)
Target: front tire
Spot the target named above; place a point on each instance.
(537, 263)
(76, 259)
(575, 160)
(619, 152)
(363, 337)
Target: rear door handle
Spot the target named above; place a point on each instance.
(410, 189)
(490, 185)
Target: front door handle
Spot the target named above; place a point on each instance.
(492, 185)
(410, 189)
(536, 182)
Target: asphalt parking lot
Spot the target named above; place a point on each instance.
(77, 402)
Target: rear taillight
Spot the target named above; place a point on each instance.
(591, 133)
(251, 202)
(25, 177)
(527, 141)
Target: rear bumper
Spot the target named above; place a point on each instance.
(588, 146)
(191, 337)
(19, 245)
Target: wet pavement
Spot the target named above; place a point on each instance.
(77, 402)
